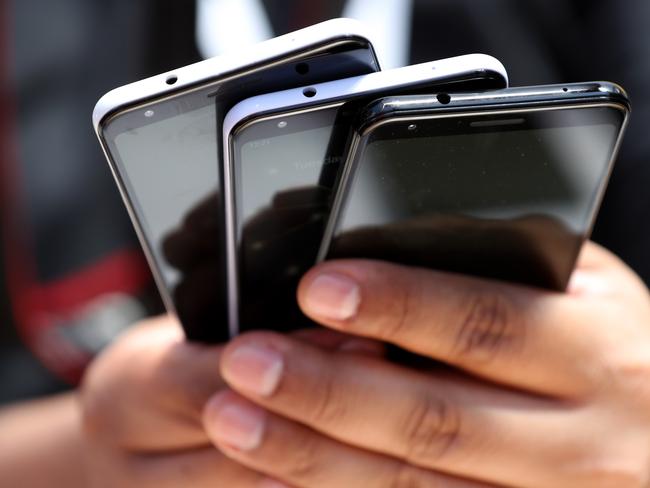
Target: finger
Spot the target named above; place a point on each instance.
(302, 457)
(507, 333)
(448, 423)
(147, 391)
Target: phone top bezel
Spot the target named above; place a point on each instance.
(413, 108)
(208, 75)
(294, 46)
(412, 105)
(293, 102)
(468, 67)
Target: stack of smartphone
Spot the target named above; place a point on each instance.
(240, 173)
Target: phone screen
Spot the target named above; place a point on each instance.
(284, 172)
(509, 195)
(168, 158)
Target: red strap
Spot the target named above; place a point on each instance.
(124, 271)
(38, 307)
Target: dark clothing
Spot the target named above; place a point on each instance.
(74, 271)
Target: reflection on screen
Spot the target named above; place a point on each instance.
(181, 149)
(267, 172)
(509, 201)
(283, 171)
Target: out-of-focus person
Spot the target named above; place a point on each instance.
(73, 273)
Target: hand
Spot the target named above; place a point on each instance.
(547, 390)
(142, 401)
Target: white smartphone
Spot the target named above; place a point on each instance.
(162, 139)
(281, 158)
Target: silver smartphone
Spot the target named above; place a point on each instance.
(282, 157)
(504, 185)
(162, 139)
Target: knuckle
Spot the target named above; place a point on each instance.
(487, 327)
(407, 300)
(328, 407)
(431, 430)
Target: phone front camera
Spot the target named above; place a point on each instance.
(302, 68)
(443, 98)
(309, 92)
(172, 80)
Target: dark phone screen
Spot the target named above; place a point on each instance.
(285, 171)
(286, 167)
(508, 196)
(168, 157)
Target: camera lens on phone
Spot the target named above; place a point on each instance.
(443, 98)
(302, 68)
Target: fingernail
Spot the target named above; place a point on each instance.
(333, 296)
(255, 369)
(233, 423)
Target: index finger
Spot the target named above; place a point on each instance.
(520, 336)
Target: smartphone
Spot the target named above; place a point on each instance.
(282, 157)
(503, 185)
(162, 141)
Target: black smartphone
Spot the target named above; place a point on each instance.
(503, 184)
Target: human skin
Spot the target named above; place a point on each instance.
(41, 444)
(546, 389)
(141, 404)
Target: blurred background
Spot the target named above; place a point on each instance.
(72, 275)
